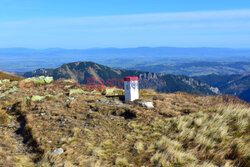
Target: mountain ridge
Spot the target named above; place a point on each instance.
(237, 85)
(81, 71)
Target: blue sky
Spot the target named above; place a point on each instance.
(124, 23)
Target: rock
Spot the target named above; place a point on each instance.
(39, 80)
(59, 94)
(70, 99)
(6, 81)
(9, 109)
(10, 126)
(67, 86)
(113, 91)
(2, 95)
(69, 81)
(76, 91)
(18, 127)
(37, 98)
(58, 151)
(48, 95)
(28, 80)
(147, 104)
(110, 91)
(104, 101)
(48, 79)
(43, 113)
(12, 90)
(26, 98)
(14, 82)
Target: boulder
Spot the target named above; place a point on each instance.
(39, 80)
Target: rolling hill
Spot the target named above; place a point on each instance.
(82, 71)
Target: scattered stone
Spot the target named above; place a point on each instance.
(70, 99)
(12, 90)
(48, 95)
(147, 104)
(110, 91)
(76, 91)
(48, 80)
(18, 127)
(10, 126)
(104, 101)
(26, 98)
(6, 81)
(113, 91)
(28, 80)
(14, 82)
(43, 113)
(95, 92)
(58, 151)
(37, 98)
(59, 94)
(2, 95)
(9, 109)
(69, 81)
(67, 86)
(85, 125)
(39, 80)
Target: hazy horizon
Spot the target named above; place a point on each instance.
(124, 24)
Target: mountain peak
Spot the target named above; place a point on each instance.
(84, 71)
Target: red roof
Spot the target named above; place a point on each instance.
(130, 78)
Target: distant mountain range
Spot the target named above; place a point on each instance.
(82, 71)
(184, 61)
(197, 68)
(237, 85)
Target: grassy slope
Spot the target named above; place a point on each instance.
(98, 130)
(9, 76)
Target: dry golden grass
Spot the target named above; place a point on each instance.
(98, 130)
(11, 77)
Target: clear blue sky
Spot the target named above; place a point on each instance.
(124, 23)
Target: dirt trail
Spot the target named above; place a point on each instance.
(24, 147)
